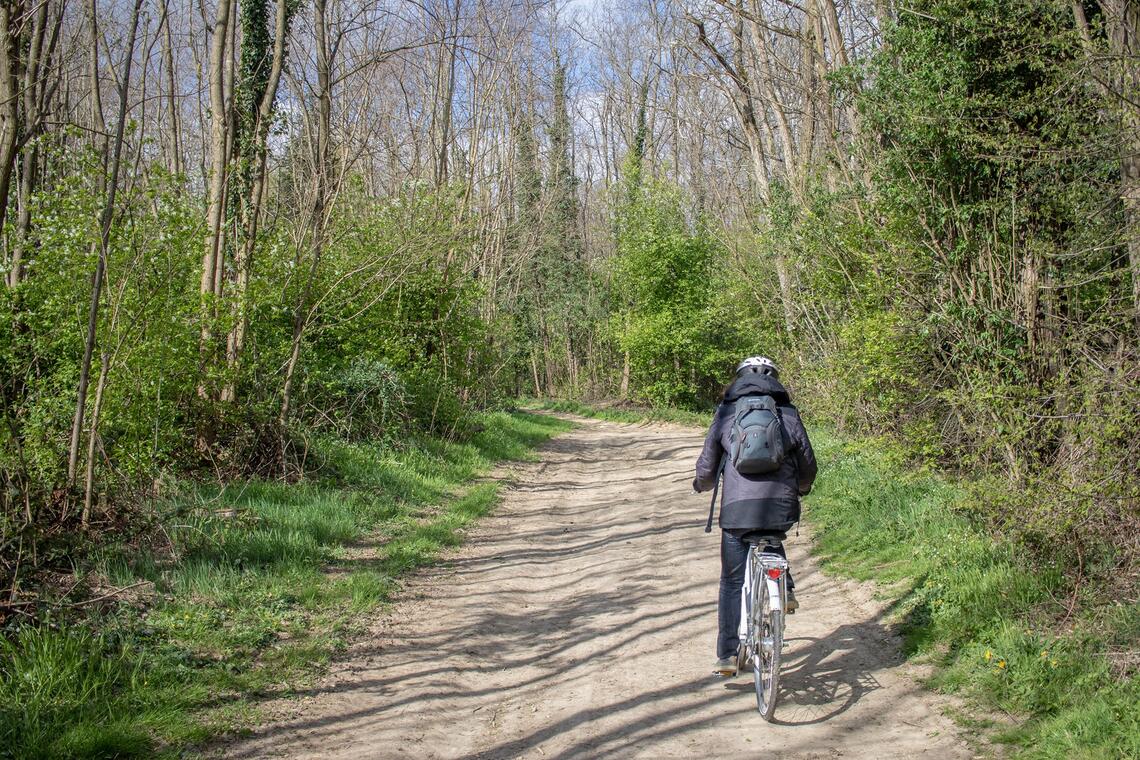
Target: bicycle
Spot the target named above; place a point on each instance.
(762, 619)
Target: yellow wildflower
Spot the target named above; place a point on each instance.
(989, 655)
(1001, 663)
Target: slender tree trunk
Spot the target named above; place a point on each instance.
(767, 85)
(1123, 28)
(1127, 46)
(173, 136)
(808, 94)
(884, 14)
(624, 391)
(10, 23)
(92, 436)
(39, 48)
(319, 213)
(96, 84)
(24, 214)
(216, 191)
(839, 55)
(102, 246)
(445, 92)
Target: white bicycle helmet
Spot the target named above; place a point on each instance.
(761, 364)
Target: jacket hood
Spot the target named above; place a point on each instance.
(755, 384)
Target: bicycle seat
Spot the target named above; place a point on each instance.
(765, 537)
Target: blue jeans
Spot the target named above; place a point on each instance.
(733, 558)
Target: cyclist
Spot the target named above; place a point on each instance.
(769, 502)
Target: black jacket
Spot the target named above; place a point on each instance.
(769, 501)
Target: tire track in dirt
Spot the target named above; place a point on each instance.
(579, 621)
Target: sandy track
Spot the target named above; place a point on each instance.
(579, 621)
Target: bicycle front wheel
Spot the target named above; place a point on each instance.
(769, 628)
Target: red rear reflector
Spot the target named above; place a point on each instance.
(774, 572)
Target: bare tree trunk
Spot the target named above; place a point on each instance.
(808, 94)
(840, 56)
(302, 309)
(10, 23)
(92, 436)
(24, 214)
(216, 192)
(96, 81)
(1127, 45)
(102, 246)
(768, 93)
(743, 99)
(39, 48)
(173, 141)
(624, 392)
(445, 92)
(1123, 27)
(884, 14)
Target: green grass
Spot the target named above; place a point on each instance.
(262, 584)
(989, 617)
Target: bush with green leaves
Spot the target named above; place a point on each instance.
(367, 400)
(145, 340)
(673, 311)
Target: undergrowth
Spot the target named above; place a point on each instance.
(259, 585)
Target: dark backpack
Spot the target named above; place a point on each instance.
(757, 444)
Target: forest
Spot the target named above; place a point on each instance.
(241, 237)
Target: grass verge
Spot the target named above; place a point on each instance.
(997, 624)
(260, 585)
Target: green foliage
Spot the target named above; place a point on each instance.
(367, 400)
(149, 300)
(672, 318)
(988, 175)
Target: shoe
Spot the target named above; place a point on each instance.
(790, 604)
(725, 668)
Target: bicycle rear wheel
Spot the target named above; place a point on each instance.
(769, 634)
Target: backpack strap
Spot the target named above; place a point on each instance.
(716, 487)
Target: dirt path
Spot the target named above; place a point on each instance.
(579, 622)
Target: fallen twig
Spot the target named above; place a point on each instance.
(116, 592)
